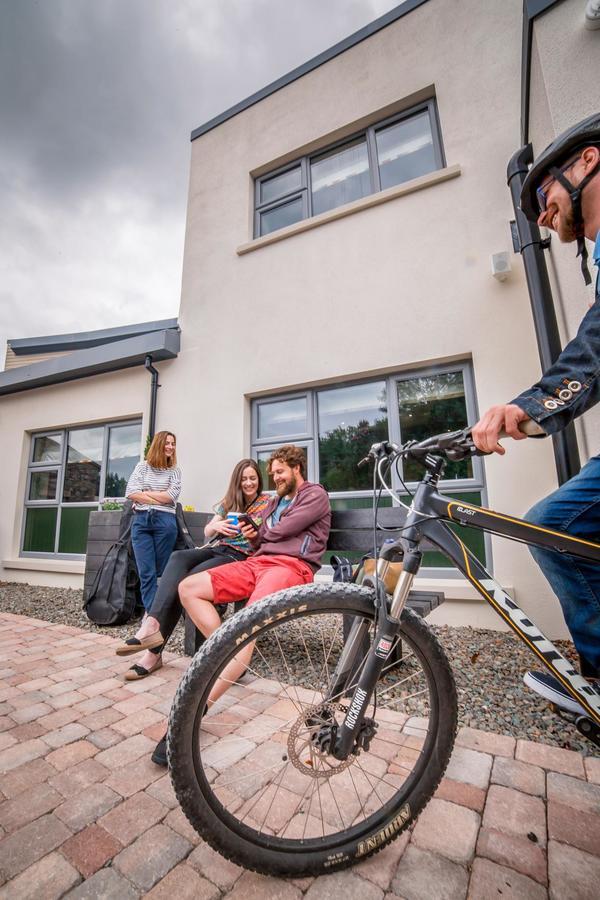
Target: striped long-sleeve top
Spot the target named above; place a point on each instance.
(146, 478)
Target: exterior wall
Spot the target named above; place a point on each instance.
(389, 287)
(105, 397)
(565, 87)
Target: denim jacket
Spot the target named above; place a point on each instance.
(572, 384)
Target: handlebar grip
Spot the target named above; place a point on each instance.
(529, 427)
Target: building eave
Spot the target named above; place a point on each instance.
(85, 339)
(119, 354)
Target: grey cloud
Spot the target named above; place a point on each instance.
(97, 102)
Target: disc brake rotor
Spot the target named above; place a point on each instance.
(304, 753)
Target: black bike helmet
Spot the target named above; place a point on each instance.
(584, 134)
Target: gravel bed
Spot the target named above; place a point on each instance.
(488, 667)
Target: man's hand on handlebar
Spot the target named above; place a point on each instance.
(499, 421)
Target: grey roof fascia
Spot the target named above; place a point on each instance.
(84, 339)
(535, 8)
(372, 28)
(160, 345)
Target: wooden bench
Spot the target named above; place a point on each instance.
(351, 535)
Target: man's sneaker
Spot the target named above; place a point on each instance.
(159, 757)
(552, 690)
(592, 15)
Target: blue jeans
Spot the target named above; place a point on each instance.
(575, 509)
(153, 536)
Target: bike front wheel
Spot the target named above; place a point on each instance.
(254, 775)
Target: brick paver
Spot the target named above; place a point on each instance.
(184, 883)
(515, 813)
(519, 775)
(154, 854)
(490, 881)
(84, 813)
(91, 849)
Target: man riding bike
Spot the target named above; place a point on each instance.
(562, 192)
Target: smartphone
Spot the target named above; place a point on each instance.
(245, 519)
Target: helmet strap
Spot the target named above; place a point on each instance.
(575, 195)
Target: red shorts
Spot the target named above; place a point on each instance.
(257, 577)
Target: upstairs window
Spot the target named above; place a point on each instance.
(384, 155)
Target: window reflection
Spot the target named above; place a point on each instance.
(123, 454)
(280, 185)
(47, 448)
(405, 150)
(43, 485)
(281, 216)
(282, 419)
(429, 405)
(340, 176)
(84, 462)
(350, 420)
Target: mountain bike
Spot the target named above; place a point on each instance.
(334, 743)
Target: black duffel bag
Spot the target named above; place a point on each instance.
(115, 593)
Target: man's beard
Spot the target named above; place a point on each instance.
(567, 231)
(287, 487)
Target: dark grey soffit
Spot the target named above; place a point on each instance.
(83, 339)
(534, 8)
(372, 28)
(124, 354)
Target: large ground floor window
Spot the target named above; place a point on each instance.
(337, 424)
(70, 472)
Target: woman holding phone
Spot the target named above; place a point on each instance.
(244, 496)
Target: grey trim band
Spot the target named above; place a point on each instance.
(83, 339)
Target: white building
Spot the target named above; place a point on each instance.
(337, 285)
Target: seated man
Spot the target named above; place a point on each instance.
(288, 548)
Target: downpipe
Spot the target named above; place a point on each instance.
(154, 386)
(531, 248)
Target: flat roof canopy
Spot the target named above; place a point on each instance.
(93, 353)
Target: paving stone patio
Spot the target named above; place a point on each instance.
(85, 814)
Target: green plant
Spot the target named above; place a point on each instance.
(108, 505)
(147, 447)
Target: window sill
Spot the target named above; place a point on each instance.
(409, 187)
(72, 567)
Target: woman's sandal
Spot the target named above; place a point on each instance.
(136, 645)
(137, 672)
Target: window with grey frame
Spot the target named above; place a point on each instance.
(337, 424)
(70, 472)
(386, 154)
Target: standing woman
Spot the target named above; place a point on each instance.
(154, 487)
(244, 494)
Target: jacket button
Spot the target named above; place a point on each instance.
(574, 386)
(550, 404)
(565, 394)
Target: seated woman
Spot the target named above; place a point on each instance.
(244, 494)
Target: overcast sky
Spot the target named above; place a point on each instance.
(97, 102)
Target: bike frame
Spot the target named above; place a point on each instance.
(424, 522)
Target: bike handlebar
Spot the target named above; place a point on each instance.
(455, 445)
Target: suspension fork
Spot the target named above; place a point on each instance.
(387, 630)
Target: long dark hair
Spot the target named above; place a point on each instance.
(234, 498)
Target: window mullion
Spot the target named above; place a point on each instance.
(373, 162)
(307, 181)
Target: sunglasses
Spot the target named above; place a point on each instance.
(542, 191)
